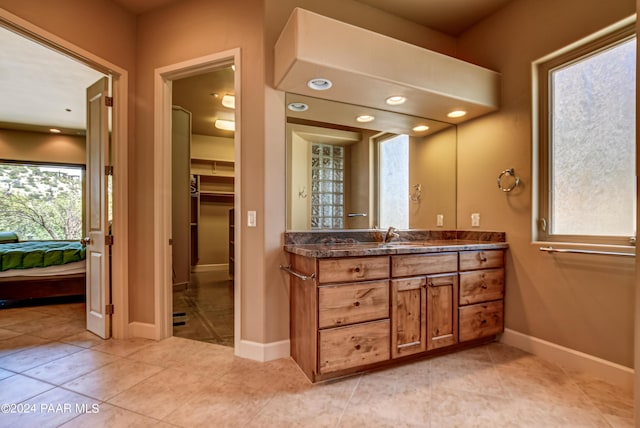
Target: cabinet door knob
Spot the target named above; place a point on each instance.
(356, 303)
(357, 347)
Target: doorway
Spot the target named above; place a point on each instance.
(203, 193)
(62, 48)
(163, 260)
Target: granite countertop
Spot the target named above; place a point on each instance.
(359, 244)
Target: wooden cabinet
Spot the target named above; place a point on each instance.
(408, 316)
(481, 311)
(357, 313)
(442, 313)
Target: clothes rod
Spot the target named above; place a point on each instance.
(574, 251)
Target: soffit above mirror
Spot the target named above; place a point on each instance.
(366, 68)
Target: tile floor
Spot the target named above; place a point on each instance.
(208, 305)
(53, 373)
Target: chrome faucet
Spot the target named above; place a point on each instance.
(391, 234)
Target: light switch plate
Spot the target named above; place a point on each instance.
(251, 218)
(475, 220)
(440, 220)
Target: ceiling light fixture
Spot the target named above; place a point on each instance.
(420, 128)
(225, 125)
(457, 113)
(365, 118)
(229, 101)
(396, 100)
(298, 107)
(55, 131)
(319, 84)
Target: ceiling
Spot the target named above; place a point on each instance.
(43, 89)
(448, 16)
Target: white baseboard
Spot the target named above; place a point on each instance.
(571, 359)
(211, 268)
(264, 351)
(143, 329)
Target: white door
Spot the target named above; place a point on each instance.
(96, 220)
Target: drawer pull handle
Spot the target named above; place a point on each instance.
(483, 258)
(357, 347)
(483, 322)
(356, 303)
(483, 285)
(357, 269)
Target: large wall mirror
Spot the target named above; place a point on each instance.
(354, 167)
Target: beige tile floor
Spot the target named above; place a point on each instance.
(53, 373)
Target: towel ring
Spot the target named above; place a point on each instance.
(511, 173)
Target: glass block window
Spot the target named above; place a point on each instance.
(327, 186)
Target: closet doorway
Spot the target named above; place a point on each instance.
(203, 158)
(201, 285)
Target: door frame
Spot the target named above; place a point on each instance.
(119, 143)
(163, 78)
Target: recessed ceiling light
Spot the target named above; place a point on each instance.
(420, 128)
(319, 84)
(298, 107)
(55, 131)
(225, 125)
(229, 101)
(365, 118)
(396, 100)
(457, 113)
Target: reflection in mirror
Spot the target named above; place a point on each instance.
(353, 167)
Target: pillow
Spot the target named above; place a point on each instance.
(8, 237)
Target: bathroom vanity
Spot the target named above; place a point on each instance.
(357, 304)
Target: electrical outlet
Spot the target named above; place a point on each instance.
(440, 220)
(251, 218)
(475, 220)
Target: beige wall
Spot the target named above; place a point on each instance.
(181, 31)
(432, 164)
(580, 302)
(41, 147)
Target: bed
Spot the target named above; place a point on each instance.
(40, 269)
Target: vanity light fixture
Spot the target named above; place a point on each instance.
(457, 113)
(319, 84)
(365, 118)
(229, 101)
(298, 107)
(55, 131)
(396, 100)
(225, 125)
(420, 128)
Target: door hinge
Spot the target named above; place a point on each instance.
(108, 309)
(108, 101)
(108, 170)
(108, 240)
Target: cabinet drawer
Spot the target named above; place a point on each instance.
(481, 286)
(357, 345)
(471, 260)
(423, 264)
(345, 304)
(352, 269)
(481, 320)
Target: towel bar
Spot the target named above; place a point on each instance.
(569, 250)
(296, 274)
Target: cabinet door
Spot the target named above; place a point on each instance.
(442, 310)
(409, 316)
